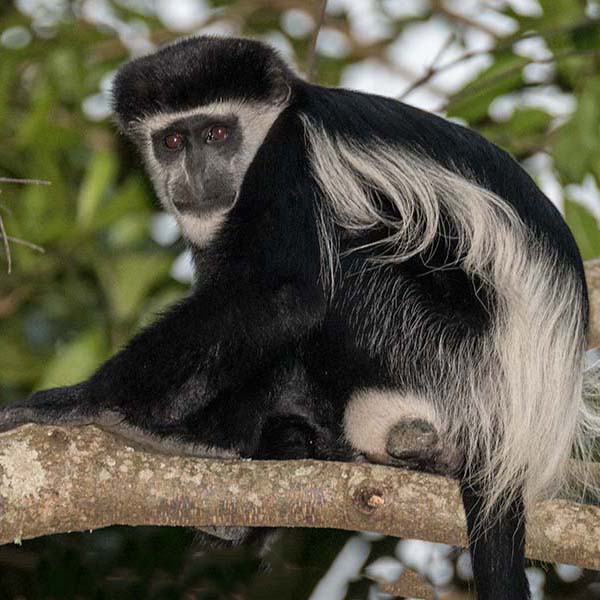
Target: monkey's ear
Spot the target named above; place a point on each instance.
(282, 92)
(59, 406)
(280, 80)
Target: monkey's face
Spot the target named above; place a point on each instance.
(197, 160)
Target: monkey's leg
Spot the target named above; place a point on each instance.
(394, 427)
(496, 541)
(416, 444)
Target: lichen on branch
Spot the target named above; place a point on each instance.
(59, 479)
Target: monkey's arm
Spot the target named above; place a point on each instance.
(217, 335)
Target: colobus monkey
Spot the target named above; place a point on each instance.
(362, 266)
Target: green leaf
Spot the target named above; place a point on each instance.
(44, 212)
(64, 67)
(524, 133)
(7, 83)
(76, 360)
(128, 279)
(18, 364)
(587, 36)
(129, 231)
(503, 76)
(98, 180)
(526, 121)
(585, 229)
(130, 198)
(577, 147)
(561, 12)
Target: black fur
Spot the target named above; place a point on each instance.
(196, 71)
(258, 359)
(497, 548)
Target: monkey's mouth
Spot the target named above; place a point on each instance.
(207, 204)
(186, 207)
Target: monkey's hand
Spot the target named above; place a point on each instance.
(75, 405)
(57, 406)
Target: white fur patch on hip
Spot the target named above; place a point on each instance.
(371, 414)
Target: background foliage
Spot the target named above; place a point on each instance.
(526, 74)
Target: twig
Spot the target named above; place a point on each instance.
(25, 181)
(5, 237)
(311, 61)
(25, 243)
(431, 73)
(463, 20)
(515, 69)
(432, 69)
(503, 45)
(6, 246)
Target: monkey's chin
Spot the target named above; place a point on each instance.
(201, 227)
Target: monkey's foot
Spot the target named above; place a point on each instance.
(416, 444)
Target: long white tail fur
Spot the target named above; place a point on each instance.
(522, 412)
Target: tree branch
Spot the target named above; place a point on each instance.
(311, 61)
(58, 479)
(486, 83)
(592, 275)
(460, 19)
(7, 238)
(433, 68)
(503, 45)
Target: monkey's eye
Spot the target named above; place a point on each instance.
(217, 133)
(174, 141)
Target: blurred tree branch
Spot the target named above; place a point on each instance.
(460, 19)
(491, 81)
(503, 45)
(311, 61)
(4, 237)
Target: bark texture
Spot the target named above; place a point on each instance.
(592, 274)
(58, 479)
